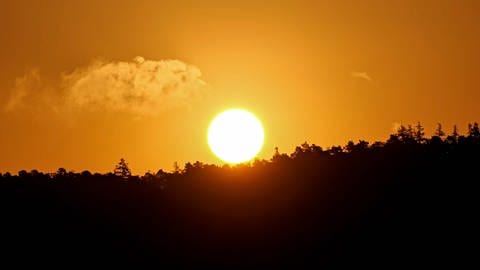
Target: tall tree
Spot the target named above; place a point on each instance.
(176, 167)
(122, 169)
(453, 138)
(402, 133)
(455, 132)
(419, 132)
(473, 130)
(439, 132)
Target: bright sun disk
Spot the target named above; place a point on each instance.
(235, 136)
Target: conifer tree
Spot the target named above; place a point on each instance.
(122, 169)
(439, 132)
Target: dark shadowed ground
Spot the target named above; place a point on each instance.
(408, 202)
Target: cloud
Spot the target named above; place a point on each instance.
(26, 86)
(361, 75)
(139, 87)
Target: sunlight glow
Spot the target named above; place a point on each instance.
(235, 136)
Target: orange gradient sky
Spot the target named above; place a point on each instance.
(319, 71)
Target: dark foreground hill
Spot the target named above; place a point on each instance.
(406, 202)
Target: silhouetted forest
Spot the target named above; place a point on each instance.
(410, 201)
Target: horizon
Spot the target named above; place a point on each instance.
(179, 167)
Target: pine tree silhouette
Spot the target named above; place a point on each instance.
(122, 169)
(439, 132)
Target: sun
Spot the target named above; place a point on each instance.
(235, 136)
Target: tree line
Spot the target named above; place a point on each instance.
(406, 135)
(409, 200)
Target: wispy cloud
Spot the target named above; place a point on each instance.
(361, 75)
(140, 86)
(27, 85)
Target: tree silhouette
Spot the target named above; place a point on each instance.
(474, 131)
(122, 169)
(61, 173)
(86, 174)
(23, 173)
(351, 147)
(455, 132)
(278, 157)
(188, 167)
(403, 134)
(276, 154)
(453, 138)
(362, 203)
(419, 133)
(176, 167)
(335, 150)
(439, 132)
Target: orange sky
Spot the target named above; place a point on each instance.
(317, 71)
